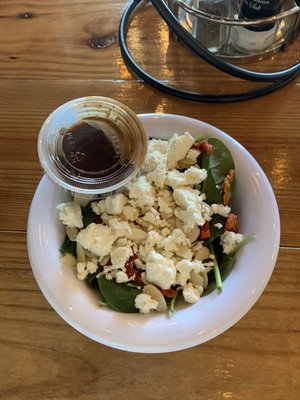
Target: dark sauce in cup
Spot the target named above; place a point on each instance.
(87, 150)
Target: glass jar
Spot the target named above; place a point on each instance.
(258, 38)
(92, 146)
(207, 30)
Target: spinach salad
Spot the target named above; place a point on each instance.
(131, 287)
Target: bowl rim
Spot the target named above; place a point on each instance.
(193, 341)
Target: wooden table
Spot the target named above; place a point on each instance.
(53, 51)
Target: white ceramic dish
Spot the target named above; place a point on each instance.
(190, 325)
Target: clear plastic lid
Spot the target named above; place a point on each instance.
(92, 145)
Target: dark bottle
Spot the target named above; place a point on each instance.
(255, 9)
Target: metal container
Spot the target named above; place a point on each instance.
(217, 26)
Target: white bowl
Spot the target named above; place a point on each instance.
(190, 325)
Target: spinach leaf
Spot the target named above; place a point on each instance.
(92, 280)
(217, 163)
(225, 268)
(88, 215)
(218, 250)
(214, 231)
(226, 265)
(119, 296)
(68, 247)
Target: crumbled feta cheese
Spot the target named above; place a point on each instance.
(153, 217)
(121, 277)
(229, 241)
(190, 176)
(138, 264)
(155, 239)
(218, 225)
(114, 204)
(184, 269)
(170, 244)
(98, 207)
(144, 303)
(130, 213)
(154, 158)
(70, 214)
(173, 241)
(142, 192)
(166, 203)
(96, 238)
(82, 272)
(119, 256)
(185, 196)
(179, 145)
(156, 165)
(120, 228)
(144, 251)
(157, 145)
(192, 216)
(160, 270)
(91, 267)
(221, 210)
(193, 210)
(84, 269)
(192, 155)
(190, 293)
(158, 176)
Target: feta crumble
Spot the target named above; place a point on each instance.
(96, 238)
(160, 270)
(145, 303)
(220, 209)
(84, 269)
(230, 240)
(179, 145)
(121, 277)
(70, 214)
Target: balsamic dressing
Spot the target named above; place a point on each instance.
(88, 152)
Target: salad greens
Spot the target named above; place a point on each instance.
(68, 247)
(120, 296)
(224, 267)
(217, 163)
(217, 160)
(88, 215)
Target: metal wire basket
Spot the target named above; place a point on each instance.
(216, 25)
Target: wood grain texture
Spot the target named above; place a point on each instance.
(44, 358)
(54, 51)
(79, 39)
(267, 127)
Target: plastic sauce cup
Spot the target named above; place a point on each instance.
(92, 146)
